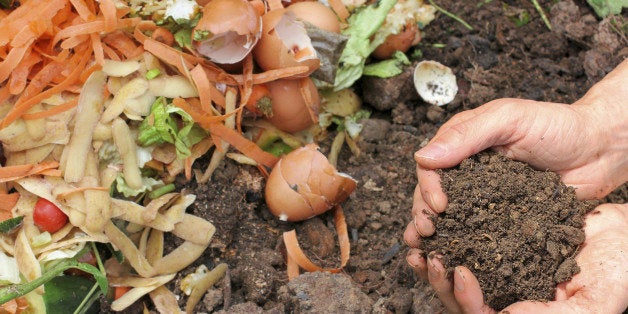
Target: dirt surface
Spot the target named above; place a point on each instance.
(521, 225)
(498, 58)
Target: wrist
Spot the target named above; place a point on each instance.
(605, 111)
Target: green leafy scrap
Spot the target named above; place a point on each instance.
(6, 226)
(603, 8)
(362, 25)
(388, 68)
(10, 292)
(167, 123)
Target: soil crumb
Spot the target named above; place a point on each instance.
(517, 231)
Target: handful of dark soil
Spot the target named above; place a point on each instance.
(517, 229)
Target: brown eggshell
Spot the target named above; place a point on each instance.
(402, 42)
(316, 13)
(220, 16)
(234, 28)
(292, 197)
(290, 111)
(282, 200)
(271, 52)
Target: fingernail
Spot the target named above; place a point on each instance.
(409, 254)
(459, 282)
(433, 271)
(431, 151)
(422, 226)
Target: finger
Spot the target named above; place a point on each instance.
(550, 307)
(443, 287)
(411, 236)
(493, 124)
(415, 258)
(422, 215)
(468, 292)
(431, 192)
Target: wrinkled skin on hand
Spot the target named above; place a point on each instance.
(585, 143)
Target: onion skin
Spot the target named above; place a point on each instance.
(290, 108)
(402, 42)
(303, 184)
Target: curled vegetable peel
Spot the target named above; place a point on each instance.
(304, 184)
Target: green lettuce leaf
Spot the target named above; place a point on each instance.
(604, 8)
(169, 124)
(362, 25)
(388, 68)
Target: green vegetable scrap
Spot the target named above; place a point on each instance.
(169, 124)
(604, 8)
(388, 68)
(6, 226)
(362, 25)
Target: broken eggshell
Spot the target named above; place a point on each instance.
(285, 43)
(228, 31)
(435, 83)
(317, 14)
(295, 104)
(303, 184)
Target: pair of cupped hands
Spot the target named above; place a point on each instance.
(586, 143)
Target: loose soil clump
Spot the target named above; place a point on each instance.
(517, 229)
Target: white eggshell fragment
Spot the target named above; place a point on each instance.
(435, 83)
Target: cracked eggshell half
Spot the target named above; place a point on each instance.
(303, 184)
(228, 31)
(295, 104)
(285, 43)
(435, 83)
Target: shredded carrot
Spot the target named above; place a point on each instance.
(52, 111)
(108, 9)
(120, 291)
(259, 91)
(11, 173)
(25, 14)
(244, 145)
(122, 43)
(340, 9)
(24, 104)
(14, 58)
(19, 76)
(167, 54)
(272, 75)
(99, 53)
(203, 87)
(298, 257)
(27, 34)
(163, 35)
(203, 118)
(14, 306)
(95, 67)
(305, 92)
(8, 201)
(85, 12)
(188, 168)
(4, 94)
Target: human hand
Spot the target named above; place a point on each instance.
(585, 143)
(599, 287)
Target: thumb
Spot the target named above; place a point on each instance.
(472, 131)
(545, 307)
